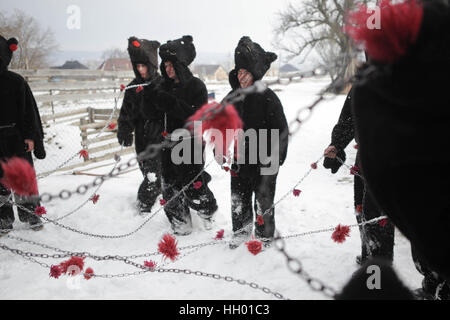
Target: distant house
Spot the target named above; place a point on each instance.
(288, 70)
(70, 65)
(210, 72)
(116, 64)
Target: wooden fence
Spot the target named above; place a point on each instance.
(55, 86)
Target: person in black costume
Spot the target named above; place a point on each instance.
(20, 132)
(144, 58)
(376, 240)
(257, 111)
(178, 97)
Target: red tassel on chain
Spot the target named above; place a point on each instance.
(84, 153)
(95, 198)
(19, 175)
(254, 246)
(259, 220)
(88, 273)
(40, 211)
(340, 233)
(219, 235)
(55, 272)
(168, 247)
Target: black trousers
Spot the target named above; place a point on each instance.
(432, 283)
(376, 240)
(242, 191)
(150, 189)
(6, 209)
(178, 210)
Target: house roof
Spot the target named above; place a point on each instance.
(116, 64)
(288, 68)
(72, 64)
(206, 69)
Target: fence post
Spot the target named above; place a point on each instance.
(91, 115)
(84, 144)
(53, 107)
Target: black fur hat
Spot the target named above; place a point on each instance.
(143, 51)
(7, 47)
(250, 56)
(179, 50)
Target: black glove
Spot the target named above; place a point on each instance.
(39, 150)
(125, 139)
(165, 101)
(334, 164)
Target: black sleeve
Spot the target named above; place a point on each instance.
(344, 131)
(148, 104)
(38, 132)
(277, 120)
(26, 112)
(127, 115)
(197, 96)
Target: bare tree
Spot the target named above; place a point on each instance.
(318, 25)
(114, 53)
(36, 45)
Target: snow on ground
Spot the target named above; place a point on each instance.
(326, 200)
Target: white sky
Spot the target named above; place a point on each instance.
(216, 25)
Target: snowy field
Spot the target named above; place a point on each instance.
(326, 201)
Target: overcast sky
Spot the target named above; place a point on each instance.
(216, 25)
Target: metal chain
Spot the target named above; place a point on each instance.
(29, 256)
(121, 235)
(194, 246)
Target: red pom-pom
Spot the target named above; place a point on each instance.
(354, 170)
(227, 118)
(139, 89)
(40, 211)
(95, 198)
(150, 264)
(88, 273)
(359, 208)
(226, 169)
(74, 265)
(136, 43)
(254, 246)
(164, 133)
(219, 235)
(112, 126)
(122, 87)
(19, 175)
(383, 222)
(162, 202)
(13, 47)
(356, 146)
(340, 233)
(314, 165)
(55, 272)
(400, 25)
(197, 185)
(168, 247)
(84, 153)
(296, 192)
(259, 220)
